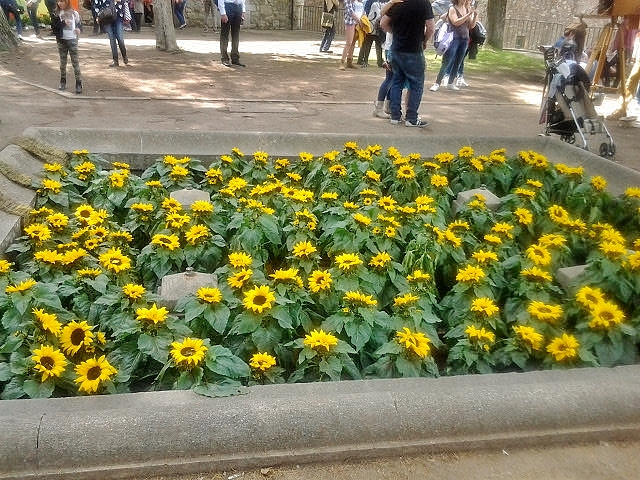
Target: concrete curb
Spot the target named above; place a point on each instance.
(140, 147)
(165, 433)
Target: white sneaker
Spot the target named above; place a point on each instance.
(461, 83)
(452, 86)
(434, 87)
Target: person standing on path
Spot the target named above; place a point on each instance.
(412, 25)
(329, 6)
(178, 10)
(115, 29)
(353, 11)
(67, 41)
(32, 10)
(231, 17)
(462, 17)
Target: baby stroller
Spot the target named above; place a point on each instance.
(567, 109)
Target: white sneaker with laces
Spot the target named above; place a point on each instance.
(452, 86)
(461, 83)
(434, 87)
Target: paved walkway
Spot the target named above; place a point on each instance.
(287, 86)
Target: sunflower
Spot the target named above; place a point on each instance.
(58, 220)
(21, 287)
(470, 273)
(406, 299)
(152, 314)
(418, 276)
(605, 315)
(49, 321)
(320, 280)
(210, 295)
(51, 257)
(545, 312)
(176, 220)
(84, 213)
(372, 175)
(201, 207)
(240, 259)
(238, 279)
(92, 372)
(196, 233)
(133, 291)
(529, 336)
(170, 242)
(348, 261)
(259, 299)
(319, 339)
(289, 275)
(387, 203)
(539, 255)
(49, 362)
(414, 342)
(551, 240)
(536, 274)
(5, 266)
(484, 305)
(558, 214)
(406, 172)
(480, 336)
(115, 261)
(214, 176)
(599, 183)
(337, 169)
(524, 216)
(74, 336)
(188, 353)
(563, 348)
(38, 232)
(380, 260)
(359, 299)
(49, 185)
(439, 180)
(589, 297)
(484, 257)
(362, 219)
(262, 361)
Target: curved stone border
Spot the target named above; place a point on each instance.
(165, 433)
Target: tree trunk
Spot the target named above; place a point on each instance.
(496, 13)
(163, 21)
(8, 39)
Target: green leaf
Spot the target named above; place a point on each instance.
(270, 229)
(5, 372)
(193, 310)
(407, 368)
(391, 347)
(266, 339)
(281, 314)
(359, 333)
(13, 390)
(218, 317)
(37, 389)
(244, 324)
(222, 361)
(331, 366)
(12, 321)
(225, 388)
(156, 347)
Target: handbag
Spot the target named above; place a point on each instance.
(327, 20)
(107, 15)
(443, 39)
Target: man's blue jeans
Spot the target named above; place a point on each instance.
(408, 68)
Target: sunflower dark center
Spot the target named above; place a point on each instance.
(188, 351)
(94, 373)
(77, 337)
(47, 362)
(259, 299)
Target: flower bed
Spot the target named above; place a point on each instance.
(352, 264)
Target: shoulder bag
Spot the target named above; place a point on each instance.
(107, 15)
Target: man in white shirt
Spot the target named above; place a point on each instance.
(231, 17)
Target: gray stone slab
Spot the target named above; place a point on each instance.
(22, 163)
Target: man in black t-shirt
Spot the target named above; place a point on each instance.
(412, 25)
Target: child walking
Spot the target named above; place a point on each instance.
(67, 39)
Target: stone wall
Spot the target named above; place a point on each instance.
(282, 14)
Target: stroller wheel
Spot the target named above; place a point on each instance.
(569, 138)
(607, 150)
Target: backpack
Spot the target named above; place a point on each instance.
(56, 25)
(442, 38)
(478, 34)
